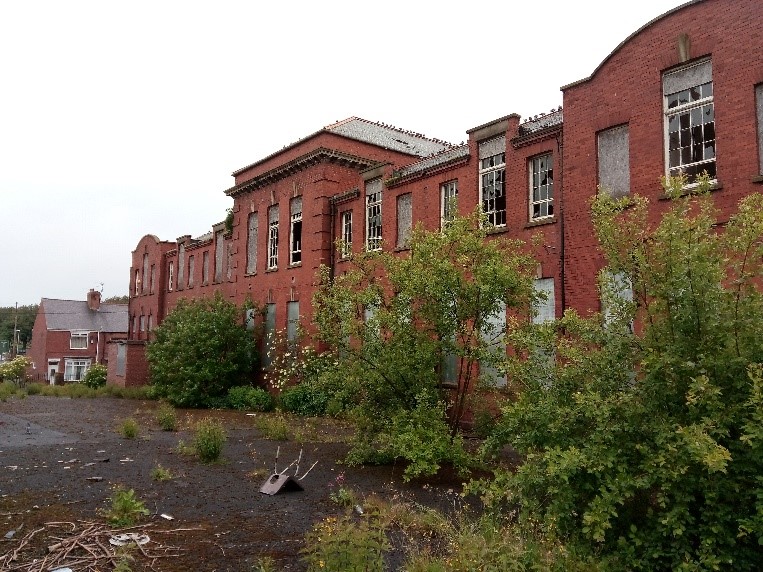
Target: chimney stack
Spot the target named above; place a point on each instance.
(93, 299)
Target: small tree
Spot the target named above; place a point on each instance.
(392, 320)
(15, 370)
(200, 351)
(645, 450)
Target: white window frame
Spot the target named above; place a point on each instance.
(75, 369)
(137, 281)
(346, 223)
(81, 337)
(493, 188)
(374, 221)
(541, 183)
(170, 273)
(273, 239)
(448, 202)
(682, 109)
(295, 232)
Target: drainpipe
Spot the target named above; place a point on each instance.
(562, 242)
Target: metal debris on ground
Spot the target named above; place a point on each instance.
(85, 547)
(278, 482)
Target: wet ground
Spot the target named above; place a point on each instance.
(60, 459)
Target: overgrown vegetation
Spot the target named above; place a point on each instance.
(129, 428)
(166, 416)
(199, 352)
(209, 440)
(126, 509)
(247, 398)
(95, 376)
(14, 371)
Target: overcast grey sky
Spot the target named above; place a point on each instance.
(120, 119)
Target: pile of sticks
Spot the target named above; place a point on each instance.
(83, 546)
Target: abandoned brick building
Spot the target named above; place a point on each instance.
(683, 94)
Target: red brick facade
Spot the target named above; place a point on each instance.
(550, 171)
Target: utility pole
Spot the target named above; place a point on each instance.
(15, 350)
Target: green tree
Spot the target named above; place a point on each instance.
(200, 351)
(24, 317)
(392, 321)
(645, 450)
(123, 299)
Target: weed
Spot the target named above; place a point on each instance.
(265, 564)
(209, 440)
(126, 509)
(340, 494)
(344, 544)
(129, 428)
(33, 389)
(167, 417)
(258, 474)
(184, 448)
(274, 427)
(159, 473)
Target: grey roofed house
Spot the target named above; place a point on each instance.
(76, 315)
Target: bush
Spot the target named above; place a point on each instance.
(305, 399)
(166, 417)
(250, 399)
(274, 427)
(129, 428)
(343, 544)
(126, 508)
(95, 376)
(210, 439)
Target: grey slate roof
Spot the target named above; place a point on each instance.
(387, 136)
(75, 315)
(450, 155)
(542, 121)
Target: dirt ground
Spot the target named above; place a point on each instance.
(53, 450)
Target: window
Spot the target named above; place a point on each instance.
(295, 231)
(616, 296)
(690, 121)
(251, 244)
(270, 330)
(613, 148)
(191, 270)
(153, 277)
(759, 110)
(150, 326)
(75, 369)
(205, 268)
(170, 273)
(219, 243)
(137, 281)
(541, 187)
(292, 323)
(492, 156)
(145, 273)
(121, 359)
(374, 214)
(78, 341)
(229, 261)
(181, 267)
(493, 331)
(142, 323)
(346, 248)
(404, 219)
(448, 201)
(545, 309)
(273, 237)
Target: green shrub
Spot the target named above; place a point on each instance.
(250, 399)
(160, 473)
(166, 417)
(95, 376)
(274, 427)
(33, 388)
(342, 544)
(306, 399)
(209, 440)
(129, 428)
(126, 509)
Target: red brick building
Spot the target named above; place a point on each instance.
(69, 336)
(650, 109)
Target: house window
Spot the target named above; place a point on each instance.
(219, 243)
(153, 277)
(374, 214)
(75, 369)
(78, 341)
(142, 323)
(541, 187)
(251, 244)
(759, 110)
(690, 121)
(404, 219)
(545, 308)
(613, 148)
(170, 274)
(205, 268)
(448, 201)
(191, 270)
(492, 155)
(346, 248)
(295, 251)
(181, 267)
(273, 237)
(292, 323)
(145, 273)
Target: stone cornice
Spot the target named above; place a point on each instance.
(320, 155)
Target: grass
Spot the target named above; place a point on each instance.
(274, 427)
(209, 440)
(161, 474)
(167, 418)
(129, 428)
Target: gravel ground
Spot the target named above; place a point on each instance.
(52, 448)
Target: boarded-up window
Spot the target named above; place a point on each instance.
(614, 161)
(219, 244)
(759, 108)
(145, 274)
(205, 268)
(292, 324)
(153, 277)
(251, 244)
(181, 266)
(191, 270)
(229, 262)
(121, 359)
(270, 330)
(545, 309)
(404, 219)
(493, 331)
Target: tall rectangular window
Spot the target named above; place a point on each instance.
(346, 248)
(145, 273)
(137, 282)
(205, 268)
(219, 256)
(292, 323)
(404, 219)
(150, 323)
(181, 266)
(153, 278)
(121, 359)
(541, 187)
(229, 261)
(493, 331)
(78, 341)
(270, 330)
(273, 237)
(170, 276)
(613, 149)
(191, 270)
(142, 323)
(759, 112)
(690, 121)
(251, 243)
(545, 309)
(492, 155)
(448, 202)
(374, 214)
(295, 231)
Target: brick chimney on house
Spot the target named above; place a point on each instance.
(93, 299)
